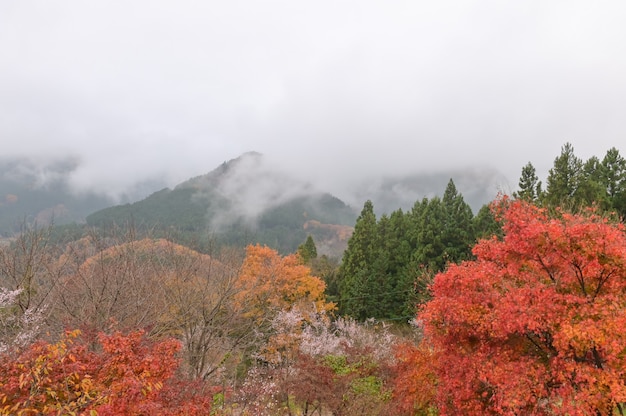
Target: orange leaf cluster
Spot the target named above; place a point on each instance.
(269, 282)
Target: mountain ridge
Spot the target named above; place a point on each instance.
(242, 201)
(247, 199)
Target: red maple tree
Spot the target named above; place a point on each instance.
(535, 324)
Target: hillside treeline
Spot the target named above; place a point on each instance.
(430, 311)
(390, 260)
(573, 183)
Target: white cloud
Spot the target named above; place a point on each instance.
(336, 90)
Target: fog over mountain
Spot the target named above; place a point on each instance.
(347, 96)
(242, 189)
(253, 184)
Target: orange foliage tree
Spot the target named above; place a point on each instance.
(278, 295)
(270, 283)
(123, 375)
(534, 325)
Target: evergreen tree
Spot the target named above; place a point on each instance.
(379, 285)
(590, 188)
(458, 231)
(485, 224)
(613, 178)
(529, 184)
(357, 264)
(403, 303)
(391, 284)
(564, 178)
(389, 262)
(307, 250)
(430, 251)
(417, 266)
(414, 223)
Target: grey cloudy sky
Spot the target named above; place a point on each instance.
(337, 90)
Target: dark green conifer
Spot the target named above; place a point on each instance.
(307, 250)
(430, 251)
(564, 179)
(485, 224)
(613, 178)
(529, 184)
(357, 265)
(590, 190)
(458, 232)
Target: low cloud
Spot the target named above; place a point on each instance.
(337, 92)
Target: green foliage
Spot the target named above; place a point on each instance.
(307, 250)
(590, 190)
(338, 363)
(564, 178)
(445, 231)
(529, 184)
(485, 224)
(388, 262)
(574, 184)
(458, 230)
(613, 178)
(370, 385)
(357, 264)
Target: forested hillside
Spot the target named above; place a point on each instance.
(239, 203)
(516, 309)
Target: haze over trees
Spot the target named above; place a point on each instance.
(516, 309)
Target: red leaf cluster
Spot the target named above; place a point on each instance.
(535, 325)
(115, 374)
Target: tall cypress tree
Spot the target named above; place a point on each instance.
(418, 264)
(380, 279)
(392, 283)
(430, 250)
(357, 264)
(458, 231)
(403, 298)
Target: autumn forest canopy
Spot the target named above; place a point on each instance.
(518, 308)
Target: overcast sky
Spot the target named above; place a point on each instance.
(339, 90)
